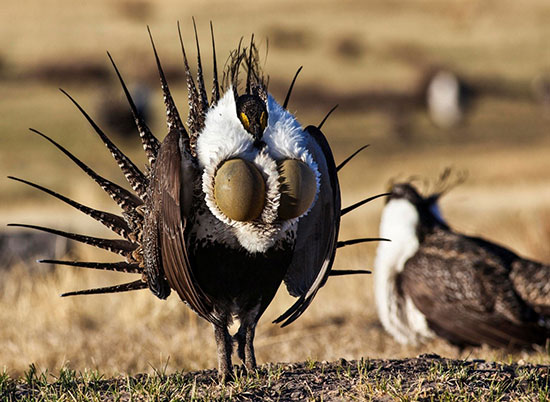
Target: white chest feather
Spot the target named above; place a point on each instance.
(224, 138)
(397, 313)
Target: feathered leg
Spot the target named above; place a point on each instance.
(224, 346)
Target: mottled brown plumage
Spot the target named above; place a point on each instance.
(468, 290)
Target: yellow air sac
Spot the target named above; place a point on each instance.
(298, 188)
(239, 190)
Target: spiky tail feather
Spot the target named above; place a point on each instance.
(135, 177)
(287, 97)
(345, 272)
(124, 199)
(345, 161)
(114, 222)
(344, 243)
(125, 287)
(120, 266)
(150, 143)
(360, 203)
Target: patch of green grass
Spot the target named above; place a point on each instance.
(7, 384)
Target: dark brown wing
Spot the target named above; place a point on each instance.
(167, 262)
(531, 279)
(466, 295)
(317, 233)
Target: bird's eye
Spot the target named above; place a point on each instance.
(298, 188)
(263, 121)
(244, 120)
(239, 190)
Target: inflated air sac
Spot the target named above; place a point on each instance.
(239, 190)
(298, 188)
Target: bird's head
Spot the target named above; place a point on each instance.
(252, 112)
(408, 203)
(407, 192)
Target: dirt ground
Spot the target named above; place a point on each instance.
(425, 378)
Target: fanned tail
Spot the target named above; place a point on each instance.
(130, 225)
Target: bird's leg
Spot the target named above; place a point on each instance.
(225, 349)
(249, 356)
(245, 344)
(240, 338)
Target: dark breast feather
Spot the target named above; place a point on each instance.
(167, 259)
(466, 295)
(317, 233)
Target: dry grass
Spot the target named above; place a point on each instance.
(504, 148)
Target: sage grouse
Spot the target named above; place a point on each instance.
(229, 208)
(431, 281)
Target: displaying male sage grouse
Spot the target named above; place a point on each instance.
(430, 280)
(228, 208)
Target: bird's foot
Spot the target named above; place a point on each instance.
(225, 376)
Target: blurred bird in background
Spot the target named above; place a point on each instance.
(448, 98)
(432, 281)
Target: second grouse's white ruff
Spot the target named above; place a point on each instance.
(397, 312)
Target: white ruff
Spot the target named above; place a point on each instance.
(225, 138)
(398, 316)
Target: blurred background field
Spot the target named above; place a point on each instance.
(371, 57)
